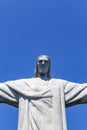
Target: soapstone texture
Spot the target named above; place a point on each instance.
(42, 100)
(42, 103)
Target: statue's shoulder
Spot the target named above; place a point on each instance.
(37, 79)
(58, 81)
(28, 79)
(52, 80)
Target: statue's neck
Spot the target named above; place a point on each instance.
(43, 77)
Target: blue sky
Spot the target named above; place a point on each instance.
(32, 28)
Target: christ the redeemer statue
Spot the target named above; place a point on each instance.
(42, 100)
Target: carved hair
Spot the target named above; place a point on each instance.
(36, 67)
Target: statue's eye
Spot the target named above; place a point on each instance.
(40, 61)
(45, 61)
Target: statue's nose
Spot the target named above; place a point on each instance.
(43, 62)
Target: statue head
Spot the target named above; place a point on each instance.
(42, 66)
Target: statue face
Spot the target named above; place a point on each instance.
(43, 65)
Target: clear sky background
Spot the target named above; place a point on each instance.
(57, 28)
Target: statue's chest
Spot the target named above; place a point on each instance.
(44, 88)
(40, 85)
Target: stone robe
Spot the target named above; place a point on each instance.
(42, 103)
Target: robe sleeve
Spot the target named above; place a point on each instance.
(75, 93)
(8, 93)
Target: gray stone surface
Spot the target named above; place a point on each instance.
(42, 100)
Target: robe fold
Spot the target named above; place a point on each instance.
(42, 103)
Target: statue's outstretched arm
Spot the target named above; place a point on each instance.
(8, 93)
(75, 93)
